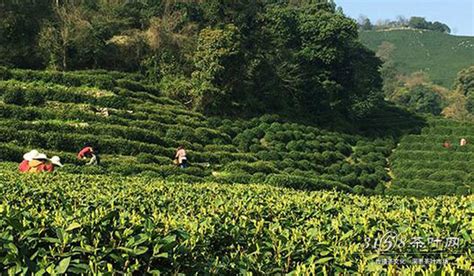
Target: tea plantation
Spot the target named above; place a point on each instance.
(52, 224)
(138, 213)
(137, 132)
(441, 56)
(422, 166)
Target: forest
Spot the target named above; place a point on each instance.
(219, 57)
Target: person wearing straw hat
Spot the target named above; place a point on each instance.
(27, 157)
(37, 164)
(54, 161)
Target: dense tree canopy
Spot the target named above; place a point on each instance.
(421, 98)
(465, 81)
(216, 56)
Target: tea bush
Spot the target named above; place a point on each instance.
(112, 224)
(421, 163)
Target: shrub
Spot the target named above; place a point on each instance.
(180, 133)
(256, 148)
(263, 167)
(176, 87)
(380, 188)
(210, 136)
(34, 98)
(184, 178)
(146, 158)
(304, 183)
(359, 189)
(14, 96)
(234, 177)
(150, 174)
(421, 98)
(258, 178)
(130, 85)
(166, 170)
(4, 73)
(10, 153)
(271, 155)
(350, 179)
(94, 170)
(463, 190)
(112, 102)
(195, 171)
(239, 166)
(125, 169)
(216, 148)
(344, 148)
(259, 166)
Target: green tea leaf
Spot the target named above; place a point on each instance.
(73, 226)
(63, 265)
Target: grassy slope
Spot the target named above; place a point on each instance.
(440, 55)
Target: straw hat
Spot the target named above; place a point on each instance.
(30, 155)
(40, 156)
(56, 161)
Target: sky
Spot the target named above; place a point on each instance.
(457, 14)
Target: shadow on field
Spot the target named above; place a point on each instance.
(386, 121)
(390, 121)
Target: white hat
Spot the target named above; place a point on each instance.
(40, 156)
(30, 155)
(56, 161)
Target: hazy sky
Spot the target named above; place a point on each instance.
(457, 14)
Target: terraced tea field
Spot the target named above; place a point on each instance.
(422, 166)
(137, 132)
(138, 213)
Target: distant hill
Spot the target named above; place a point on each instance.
(440, 55)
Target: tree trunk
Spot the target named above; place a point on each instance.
(64, 57)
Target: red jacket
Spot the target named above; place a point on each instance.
(24, 167)
(83, 152)
(48, 167)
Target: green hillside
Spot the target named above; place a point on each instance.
(137, 132)
(304, 155)
(440, 55)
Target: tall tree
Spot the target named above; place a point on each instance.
(217, 62)
(58, 37)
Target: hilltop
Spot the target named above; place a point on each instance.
(439, 55)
